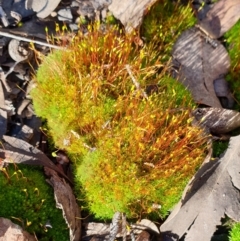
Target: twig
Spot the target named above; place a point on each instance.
(137, 85)
(9, 35)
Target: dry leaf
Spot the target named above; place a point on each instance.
(130, 12)
(199, 64)
(214, 194)
(217, 120)
(66, 201)
(146, 224)
(18, 151)
(219, 19)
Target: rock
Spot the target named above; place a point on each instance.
(73, 26)
(13, 232)
(65, 15)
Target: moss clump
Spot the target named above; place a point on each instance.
(235, 232)
(163, 24)
(28, 200)
(131, 150)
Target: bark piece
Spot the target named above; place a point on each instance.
(199, 64)
(66, 201)
(130, 12)
(217, 195)
(13, 232)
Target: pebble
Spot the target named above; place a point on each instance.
(65, 15)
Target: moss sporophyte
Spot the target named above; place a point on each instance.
(131, 148)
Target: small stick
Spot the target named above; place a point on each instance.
(9, 35)
(137, 85)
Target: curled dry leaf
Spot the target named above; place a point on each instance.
(130, 12)
(199, 63)
(219, 19)
(18, 151)
(146, 224)
(66, 201)
(214, 193)
(217, 120)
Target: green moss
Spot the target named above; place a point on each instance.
(163, 23)
(219, 147)
(28, 200)
(235, 232)
(233, 46)
(130, 151)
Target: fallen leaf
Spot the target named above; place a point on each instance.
(130, 12)
(66, 201)
(199, 64)
(146, 224)
(18, 151)
(217, 120)
(213, 194)
(221, 17)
